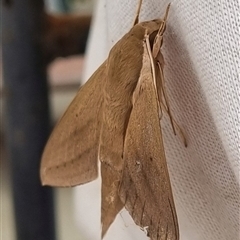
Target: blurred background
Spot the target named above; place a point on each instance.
(42, 59)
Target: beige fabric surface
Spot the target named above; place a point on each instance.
(201, 73)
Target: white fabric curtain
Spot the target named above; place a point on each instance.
(201, 73)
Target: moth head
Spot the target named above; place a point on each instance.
(153, 28)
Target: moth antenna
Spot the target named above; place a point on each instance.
(136, 20)
(166, 12)
(159, 36)
(163, 25)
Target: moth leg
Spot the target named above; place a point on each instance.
(162, 89)
(164, 98)
(165, 102)
(136, 20)
(159, 61)
(176, 125)
(157, 58)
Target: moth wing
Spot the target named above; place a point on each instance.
(71, 154)
(145, 188)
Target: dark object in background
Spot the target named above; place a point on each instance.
(7, 3)
(64, 35)
(26, 117)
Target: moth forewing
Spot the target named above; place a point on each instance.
(70, 156)
(117, 106)
(145, 188)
